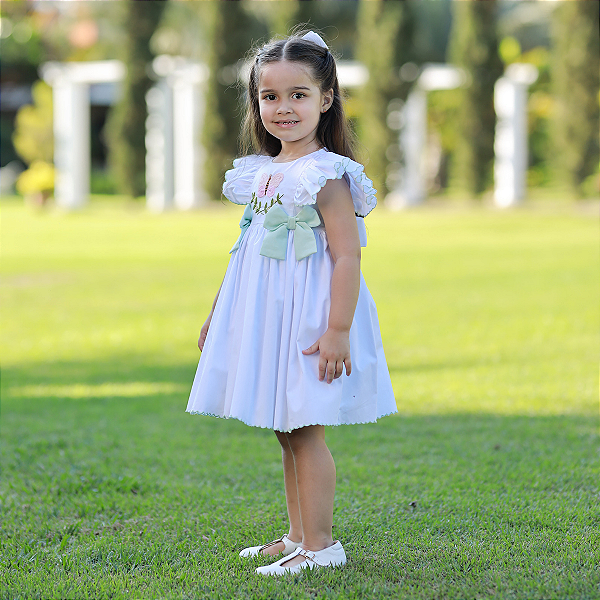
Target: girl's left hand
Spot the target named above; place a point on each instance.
(334, 348)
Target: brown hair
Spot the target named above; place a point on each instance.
(333, 131)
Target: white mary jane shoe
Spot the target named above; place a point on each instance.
(328, 557)
(289, 547)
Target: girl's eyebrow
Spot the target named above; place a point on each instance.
(296, 87)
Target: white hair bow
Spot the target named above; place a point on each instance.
(315, 38)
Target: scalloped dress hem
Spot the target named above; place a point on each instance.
(229, 417)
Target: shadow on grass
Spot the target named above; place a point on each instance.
(119, 368)
(456, 505)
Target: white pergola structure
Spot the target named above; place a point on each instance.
(173, 151)
(413, 133)
(510, 141)
(174, 154)
(71, 106)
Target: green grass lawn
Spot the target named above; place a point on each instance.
(485, 485)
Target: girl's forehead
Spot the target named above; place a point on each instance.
(284, 74)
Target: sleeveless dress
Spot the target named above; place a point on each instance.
(274, 302)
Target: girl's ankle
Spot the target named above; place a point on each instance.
(317, 545)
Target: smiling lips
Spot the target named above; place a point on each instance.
(286, 123)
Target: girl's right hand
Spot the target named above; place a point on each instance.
(204, 332)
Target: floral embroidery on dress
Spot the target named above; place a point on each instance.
(262, 209)
(266, 187)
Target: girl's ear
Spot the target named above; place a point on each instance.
(326, 101)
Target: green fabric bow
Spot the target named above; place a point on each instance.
(278, 222)
(244, 224)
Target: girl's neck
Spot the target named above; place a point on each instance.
(289, 153)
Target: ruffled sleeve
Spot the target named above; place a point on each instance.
(328, 165)
(238, 181)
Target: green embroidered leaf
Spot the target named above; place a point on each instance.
(262, 209)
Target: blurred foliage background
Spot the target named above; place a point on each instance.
(393, 39)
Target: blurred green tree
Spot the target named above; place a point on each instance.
(381, 31)
(279, 17)
(23, 47)
(231, 30)
(126, 124)
(474, 47)
(576, 83)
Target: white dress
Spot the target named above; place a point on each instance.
(270, 309)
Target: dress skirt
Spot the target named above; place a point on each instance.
(268, 311)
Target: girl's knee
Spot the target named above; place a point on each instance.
(283, 440)
(300, 438)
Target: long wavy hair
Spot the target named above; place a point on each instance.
(333, 131)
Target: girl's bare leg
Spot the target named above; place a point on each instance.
(315, 480)
(291, 496)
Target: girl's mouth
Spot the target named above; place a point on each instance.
(286, 123)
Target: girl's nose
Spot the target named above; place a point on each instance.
(283, 109)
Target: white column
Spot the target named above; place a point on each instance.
(71, 142)
(159, 148)
(510, 142)
(188, 113)
(412, 141)
(173, 134)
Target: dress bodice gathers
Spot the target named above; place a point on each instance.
(262, 183)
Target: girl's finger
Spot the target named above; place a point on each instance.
(330, 371)
(339, 368)
(348, 363)
(322, 368)
(312, 349)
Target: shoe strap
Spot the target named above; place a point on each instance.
(310, 555)
(273, 543)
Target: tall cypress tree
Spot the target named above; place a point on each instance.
(474, 47)
(380, 27)
(232, 31)
(576, 83)
(279, 16)
(126, 125)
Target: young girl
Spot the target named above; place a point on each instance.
(293, 310)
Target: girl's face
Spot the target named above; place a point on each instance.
(291, 105)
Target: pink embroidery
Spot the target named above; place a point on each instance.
(268, 184)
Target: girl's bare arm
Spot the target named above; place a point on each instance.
(335, 203)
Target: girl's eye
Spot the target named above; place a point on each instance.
(298, 95)
(269, 97)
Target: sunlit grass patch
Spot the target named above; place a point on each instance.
(79, 391)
